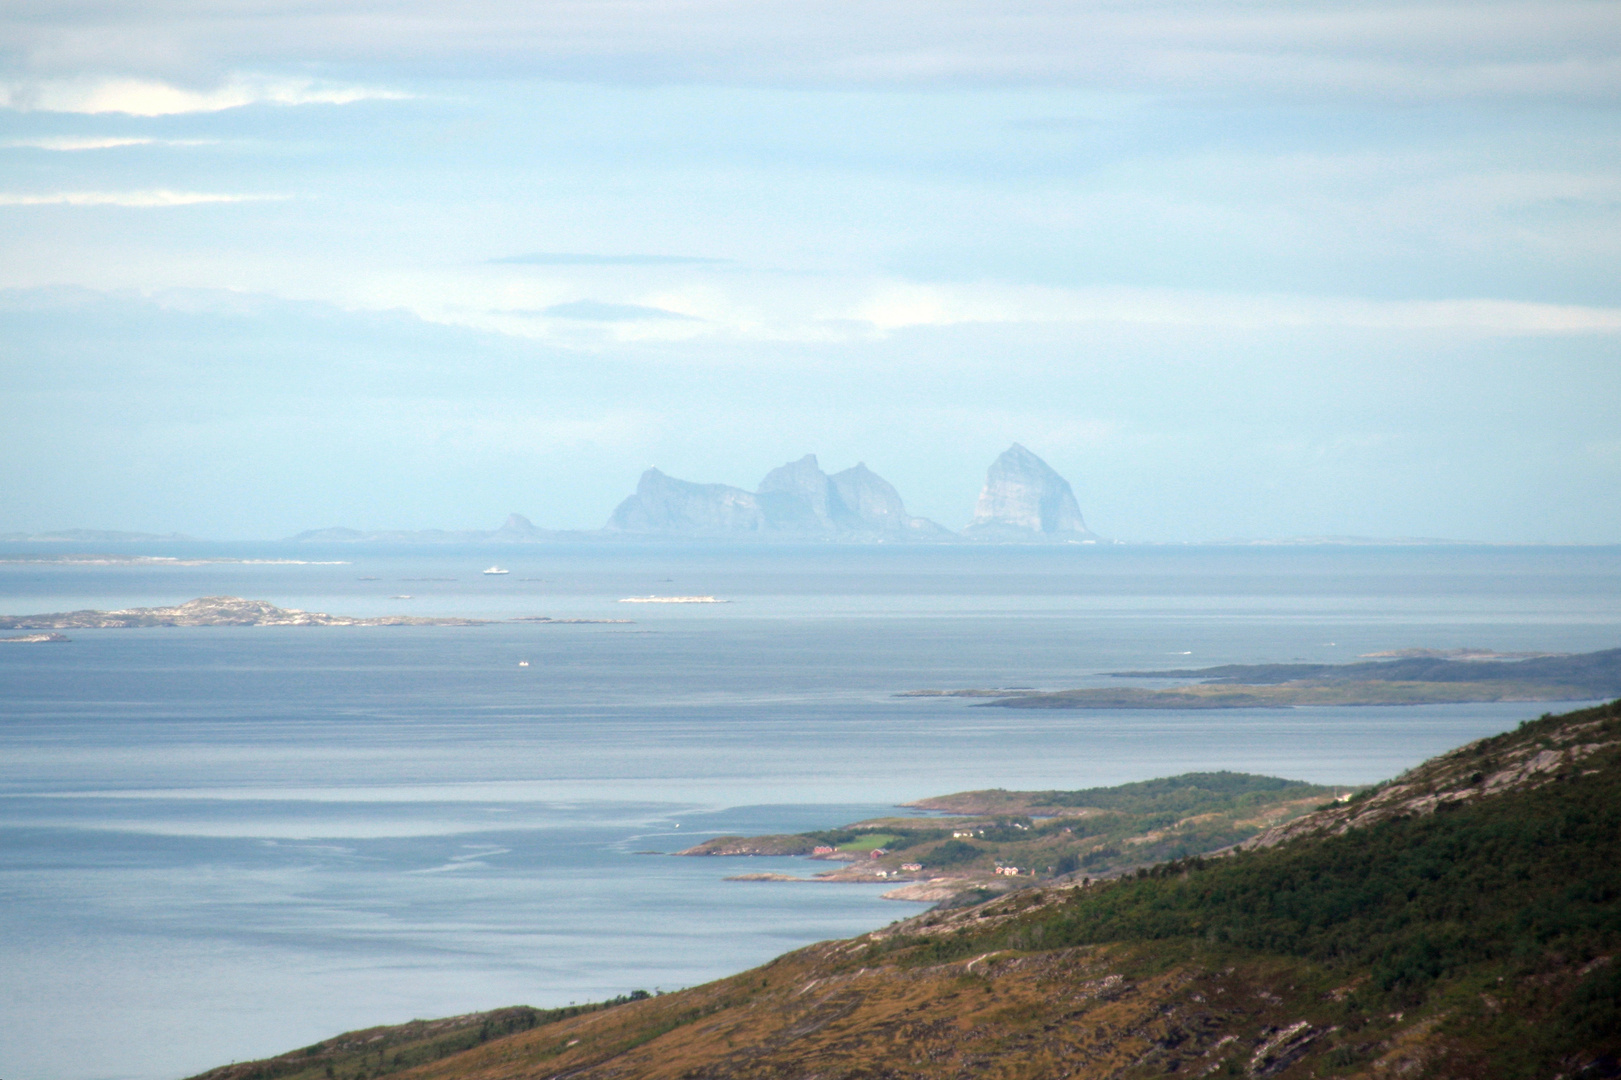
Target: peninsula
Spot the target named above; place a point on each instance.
(994, 841)
(1461, 920)
(209, 611)
(1414, 677)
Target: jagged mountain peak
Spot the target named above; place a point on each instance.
(797, 499)
(1025, 497)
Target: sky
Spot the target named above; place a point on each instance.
(1235, 269)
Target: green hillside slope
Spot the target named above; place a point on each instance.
(1462, 920)
(997, 840)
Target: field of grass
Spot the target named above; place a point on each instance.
(868, 842)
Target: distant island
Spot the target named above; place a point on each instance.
(1413, 677)
(209, 611)
(997, 840)
(794, 500)
(517, 529)
(59, 558)
(1023, 500)
(91, 536)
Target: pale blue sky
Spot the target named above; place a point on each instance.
(1235, 269)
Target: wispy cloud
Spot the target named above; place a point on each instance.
(151, 97)
(898, 305)
(1430, 49)
(598, 311)
(71, 143)
(153, 198)
(565, 258)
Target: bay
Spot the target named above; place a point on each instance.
(218, 843)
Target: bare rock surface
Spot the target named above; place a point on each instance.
(664, 505)
(1024, 498)
(1480, 769)
(796, 500)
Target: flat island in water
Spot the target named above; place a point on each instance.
(1413, 677)
(210, 611)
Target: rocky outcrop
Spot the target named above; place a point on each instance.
(1541, 752)
(664, 505)
(1024, 499)
(519, 529)
(798, 497)
(796, 500)
(873, 502)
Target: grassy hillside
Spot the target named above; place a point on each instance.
(1046, 834)
(1462, 920)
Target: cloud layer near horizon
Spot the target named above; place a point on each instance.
(1256, 268)
(1413, 49)
(211, 413)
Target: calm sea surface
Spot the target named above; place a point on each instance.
(220, 843)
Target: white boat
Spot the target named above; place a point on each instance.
(497, 570)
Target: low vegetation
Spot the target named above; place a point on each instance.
(1049, 834)
(1462, 920)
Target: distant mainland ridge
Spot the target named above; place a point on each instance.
(1024, 500)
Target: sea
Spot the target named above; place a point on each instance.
(223, 843)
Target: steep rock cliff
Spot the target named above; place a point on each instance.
(796, 500)
(1024, 498)
(664, 505)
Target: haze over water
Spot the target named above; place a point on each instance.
(220, 843)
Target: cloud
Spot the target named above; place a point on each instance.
(897, 305)
(152, 97)
(1409, 49)
(72, 143)
(564, 258)
(597, 311)
(154, 198)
